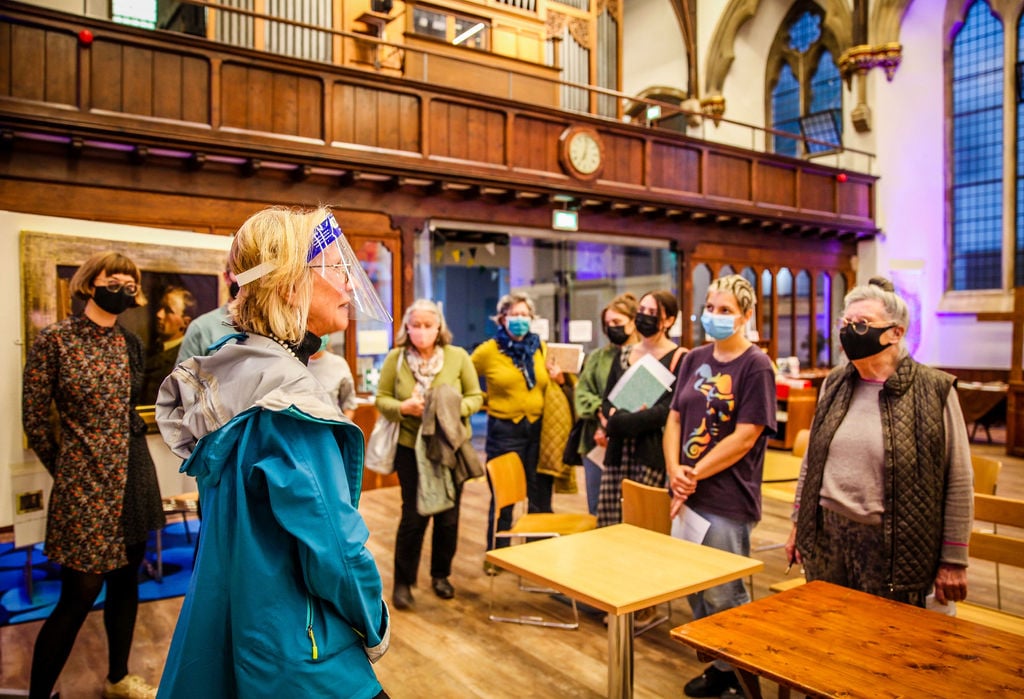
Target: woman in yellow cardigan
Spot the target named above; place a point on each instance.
(423, 358)
(513, 369)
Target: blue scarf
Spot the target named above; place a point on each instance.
(520, 352)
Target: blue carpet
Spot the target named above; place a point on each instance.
(17, 606)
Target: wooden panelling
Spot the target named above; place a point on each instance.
(38, 64)
(493, 81)
(675, 167)
(271, 101)
(855, 199)
(370, 116)
(469, 122)
(817, 191)
(624, 159)
(106, 76)
(467, 133)
(61, 61)
(536, 144)
(729, 176)
(138, 80)
(776, 184)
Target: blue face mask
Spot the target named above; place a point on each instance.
(718, 327)
(518, 326)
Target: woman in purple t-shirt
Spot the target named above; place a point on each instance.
(722, 412)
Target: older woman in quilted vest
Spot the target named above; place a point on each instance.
(884, 501)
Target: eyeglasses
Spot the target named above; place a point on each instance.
(860, 327)
(339, 270)
(127, 288)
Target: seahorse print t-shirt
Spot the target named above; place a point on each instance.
(712, 397)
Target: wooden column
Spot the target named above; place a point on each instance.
(1015, 393)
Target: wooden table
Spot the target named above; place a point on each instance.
(830, 641)
(621, 569)
(983, 404)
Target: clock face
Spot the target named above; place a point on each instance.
(584, 153)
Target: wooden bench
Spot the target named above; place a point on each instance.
(986, 546)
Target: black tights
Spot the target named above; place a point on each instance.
(78, 592)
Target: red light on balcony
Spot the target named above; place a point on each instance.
(841, 177)
(85, 37)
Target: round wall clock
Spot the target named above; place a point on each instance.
(581, 152)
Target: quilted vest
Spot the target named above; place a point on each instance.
(912, 403)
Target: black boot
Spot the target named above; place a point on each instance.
(401, 596)
(443, 588)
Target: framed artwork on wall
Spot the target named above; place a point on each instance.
(48, 261)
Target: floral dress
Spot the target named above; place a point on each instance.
(105, 492)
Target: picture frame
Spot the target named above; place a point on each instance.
(49, 260)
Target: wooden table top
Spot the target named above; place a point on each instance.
(826, 640)
(623, 568)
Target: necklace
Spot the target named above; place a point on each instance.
(287, 346)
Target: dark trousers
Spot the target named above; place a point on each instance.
(852, 554)
(413, 526)
(523, 438)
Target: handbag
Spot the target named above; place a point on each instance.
(381, 446)
(383, 440)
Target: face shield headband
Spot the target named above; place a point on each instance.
(331, 256)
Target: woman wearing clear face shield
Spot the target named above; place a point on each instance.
(285, 600)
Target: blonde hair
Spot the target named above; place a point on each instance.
(110, 262)
(739, 287)
(626, 304)
(444, 335)
(506, 302)
(277, 303)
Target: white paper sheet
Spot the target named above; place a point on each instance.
(597, 455)
(542, 327)
(690, 526)
(581, 331)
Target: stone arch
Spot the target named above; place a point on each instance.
(886, 18)
(838, 21)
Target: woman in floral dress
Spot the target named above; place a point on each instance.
(105, 497)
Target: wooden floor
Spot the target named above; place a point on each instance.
(449, 649)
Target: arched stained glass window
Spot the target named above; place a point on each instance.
(806, 90)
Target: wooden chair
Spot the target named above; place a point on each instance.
(800, 442)
(648, 507)
(1000, 549)
(986, 479)
(508, 487)
(986, 473)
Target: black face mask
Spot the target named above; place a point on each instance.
(862, 346)
(115, 302)
(617, 334)
(233, 289)
(646, 325)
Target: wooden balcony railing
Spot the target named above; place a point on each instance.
(498, 125)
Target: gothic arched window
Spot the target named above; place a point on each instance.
(804, 84)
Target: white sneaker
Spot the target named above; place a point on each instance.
(130, 687)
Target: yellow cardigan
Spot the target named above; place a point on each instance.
(507, 395)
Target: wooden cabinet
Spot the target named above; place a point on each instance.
(795, 412)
